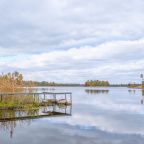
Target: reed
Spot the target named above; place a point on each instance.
(12, 83)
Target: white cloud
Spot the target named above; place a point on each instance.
(112, 58)
(74, 37)
(126, 50)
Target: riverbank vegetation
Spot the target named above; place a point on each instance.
(18, 102)
(136, 86)
(13, 83)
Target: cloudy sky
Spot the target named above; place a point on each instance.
(73, 40)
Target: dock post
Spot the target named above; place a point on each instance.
(65, 96)
(71, 98)
(44, 95)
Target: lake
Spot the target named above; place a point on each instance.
(99, 116)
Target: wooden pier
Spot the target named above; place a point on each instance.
(55, 97)
(51, 105)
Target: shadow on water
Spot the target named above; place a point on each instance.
(9, 119)
(96, 91)
(131, 91)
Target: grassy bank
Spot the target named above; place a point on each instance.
(19, 102)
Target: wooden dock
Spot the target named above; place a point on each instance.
(44, 96)
(60, 102)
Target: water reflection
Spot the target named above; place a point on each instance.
(8, 115)
(111, 118)
(11, 125)
(142, 100)
(132, 91)
(9, 119)
(11, 114)
(96, 91)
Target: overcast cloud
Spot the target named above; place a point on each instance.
(73, 40)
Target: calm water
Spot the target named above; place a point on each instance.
(99, 116)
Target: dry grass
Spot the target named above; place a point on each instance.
(12, 83)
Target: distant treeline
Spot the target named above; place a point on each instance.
(134, 85)
(91, 83)
(12, 82)
(95, 83)
(45, 83)
(87, 83)
(119, 85)
(37, 83)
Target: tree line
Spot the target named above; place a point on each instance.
(46, 83)
(13, 82)
(95, 83)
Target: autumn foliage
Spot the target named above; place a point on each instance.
(11, 82)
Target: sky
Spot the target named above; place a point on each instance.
(71, 41)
